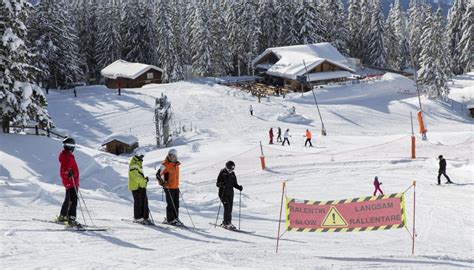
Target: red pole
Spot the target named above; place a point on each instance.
(413, 155)
(414, 219)
(279, 221)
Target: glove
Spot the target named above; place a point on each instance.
(380, 183)
(240, 188)
(70, 173)
(146, 179)
(160, 180)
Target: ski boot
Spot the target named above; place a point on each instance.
(72, 223)
(176, 222)
(61, 219)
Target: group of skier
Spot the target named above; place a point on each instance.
(286, 136)
(167, 177)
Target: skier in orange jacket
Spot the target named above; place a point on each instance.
(308, 138)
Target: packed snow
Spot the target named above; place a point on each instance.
(369, 133)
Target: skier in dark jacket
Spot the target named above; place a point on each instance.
(279, 135)
(227, 181)
(270, 134)
(442, 170)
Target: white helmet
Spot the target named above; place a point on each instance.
(140, 152)
(173, 155)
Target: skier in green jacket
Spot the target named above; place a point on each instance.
(137, 183)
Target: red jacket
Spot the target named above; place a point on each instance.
(270, 132)
(68, 162)
(377, 183)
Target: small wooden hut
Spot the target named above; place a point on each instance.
(118, 143)
(123, 74)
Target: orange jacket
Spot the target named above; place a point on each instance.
(170, 173)
(308, 134)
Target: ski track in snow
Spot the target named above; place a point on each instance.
(368, 134)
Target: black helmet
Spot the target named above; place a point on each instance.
(440, 157)
(69, 144)
(230, 165)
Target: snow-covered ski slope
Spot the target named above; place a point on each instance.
(368, 134)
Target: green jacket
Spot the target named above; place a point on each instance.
(136, 179)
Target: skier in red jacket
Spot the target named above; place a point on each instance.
(69, 173)
(377, 185)
(270, 134)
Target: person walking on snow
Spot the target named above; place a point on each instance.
(279, 135)
(137, 183)
(286, 135)
(226, 182)
(69, 173)
(308, 138)
(270, 134)
(251, 110)
(442, 170)
(168, 177)
(377, 185)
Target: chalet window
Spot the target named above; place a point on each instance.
(149, 75)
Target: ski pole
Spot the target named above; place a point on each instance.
(185, 207)
(85, 205)
(219, 209)
(77, 199)
(240, 205)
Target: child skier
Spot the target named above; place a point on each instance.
(137, 183)
(168, 177)
(279, 135)
(69, 173)
(226, 182)
(308, 138)
(286, 135)
(377, 185)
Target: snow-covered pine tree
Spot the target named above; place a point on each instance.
(222, 57)
(21, 101)
(466, 44)
(376, 36)
(309, 21)
(149, 37)
(109, 41)
(286, 26)
(416, 21)
(134, 47)
(366, 18)
(201, 42)
(395, 38)
(455, 22)
(268, 20)
(336, 26)
(355, 38)
(251, 31)
(85, 17)
(434, 60)
(52, 31)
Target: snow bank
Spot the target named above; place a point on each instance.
(298, 119)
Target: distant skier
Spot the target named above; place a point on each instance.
(75, 92)
(69, 173)
(279, 135)
(286, 135)
(442, 170)
(308, 138)
(226, 182)
(251, 110)
(270, 134)
(377, 185)
(137, 183)
(168, 177)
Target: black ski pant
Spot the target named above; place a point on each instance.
(70, 203)
(172, 204)
(308, 141)
(140, 204)
(279, 138)
(445, 175)
(227, 199)
(285, 140)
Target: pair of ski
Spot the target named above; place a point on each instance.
(169, 225)
(81, 228)
(231, 229)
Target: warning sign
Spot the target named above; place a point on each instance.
(333, 219)
(359, 214)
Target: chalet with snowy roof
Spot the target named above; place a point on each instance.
(291, 65)
(123, 74)
(119, 143)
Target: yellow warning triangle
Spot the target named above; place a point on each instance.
(334, 219)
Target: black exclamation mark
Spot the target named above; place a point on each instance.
(333, 218)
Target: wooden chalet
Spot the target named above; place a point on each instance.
(123, 74)
(118, 143)
(292, 66)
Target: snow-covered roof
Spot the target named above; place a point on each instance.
(123, 138)
(295, 60)
(124, 69)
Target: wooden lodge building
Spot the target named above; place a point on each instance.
(123, 74)
(292, 65)
(117, 143)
